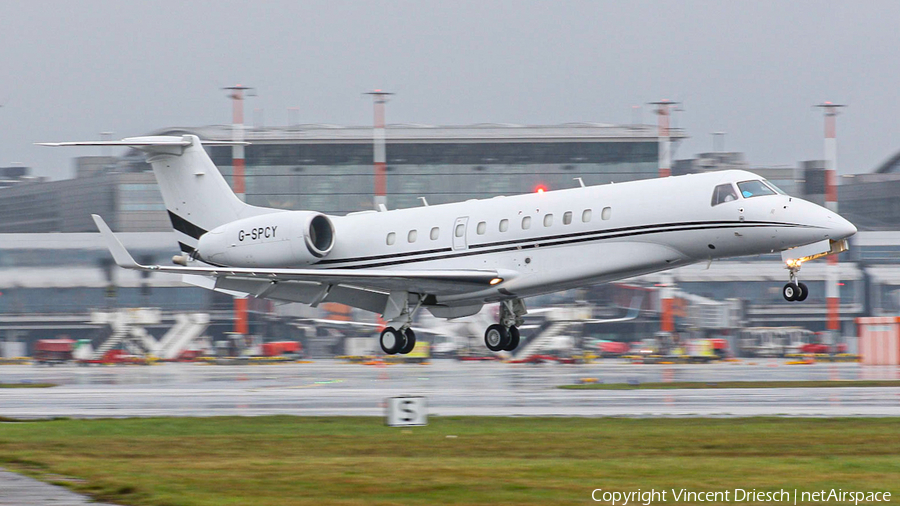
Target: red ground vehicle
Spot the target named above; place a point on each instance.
(815, 348)
(720, 346)
(117, 357)
(822, 348)
(53, 351)
(613, 348)
(280, 348)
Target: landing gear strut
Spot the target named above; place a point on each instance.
(504, 336)
(794, 290)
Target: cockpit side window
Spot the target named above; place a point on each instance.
(723, 193)
(754, 189)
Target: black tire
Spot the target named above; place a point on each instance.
(513, 339)
(391, 340)
(496, 337)
(790, 292)
(410, 342)
(804, 292)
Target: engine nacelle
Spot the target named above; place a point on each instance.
(284, 239)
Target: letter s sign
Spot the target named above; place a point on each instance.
(406, 411)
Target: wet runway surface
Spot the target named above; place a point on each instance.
(452, 388)
(18, 490)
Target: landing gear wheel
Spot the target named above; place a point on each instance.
(791, 292)
(410, 342)
(513, 339)
(391, 340)
(496, 337)
(804, 291)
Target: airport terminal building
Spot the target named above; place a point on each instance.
(329, 169)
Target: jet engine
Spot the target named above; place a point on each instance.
(282, 239)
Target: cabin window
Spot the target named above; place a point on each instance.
(411, 237)
(754, 189)
(481, 228)
(504, 225)
(606, 213)
(460, 230)
(567, 218)
(526, 223)
(548, 220)
(435, 233)
(586, 216)
(723, 193)
(391, 238)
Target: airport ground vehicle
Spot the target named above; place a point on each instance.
(612, 348)
(281, 348)
(53, 351)
(772, 341)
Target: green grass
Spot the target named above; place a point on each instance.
(734, 384)
(27, 385)
(491, 460)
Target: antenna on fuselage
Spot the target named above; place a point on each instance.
(424, 202)
(580, 181)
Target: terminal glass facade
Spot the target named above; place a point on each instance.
(338, 178)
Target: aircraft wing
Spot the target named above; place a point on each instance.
(367, 289)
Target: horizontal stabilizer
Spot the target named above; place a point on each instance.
(167, 144)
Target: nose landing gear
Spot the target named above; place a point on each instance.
(794, 290)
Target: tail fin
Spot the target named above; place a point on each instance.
(196, 195)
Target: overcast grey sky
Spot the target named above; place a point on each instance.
(69, 70)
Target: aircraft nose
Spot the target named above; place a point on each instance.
(841, 228)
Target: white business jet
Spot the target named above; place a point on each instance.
(452, 259)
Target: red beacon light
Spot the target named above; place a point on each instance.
(540, 189)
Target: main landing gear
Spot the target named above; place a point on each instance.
(794, 290)
(400, 340)
(504, 336)
(395, 341)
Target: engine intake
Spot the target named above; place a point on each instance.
(320, 235)
(282, 239)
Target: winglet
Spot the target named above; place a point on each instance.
(119, 253)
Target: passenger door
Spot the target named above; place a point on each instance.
(459, 233)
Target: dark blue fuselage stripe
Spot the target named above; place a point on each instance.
(552, 237)
(554, 241)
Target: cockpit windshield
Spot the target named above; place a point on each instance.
(754, 189)
(772, 186)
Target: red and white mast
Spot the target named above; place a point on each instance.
(241, 304)
(237, 135)
(667, 288)
(663, 110)
(832, 289)
(379, 98)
